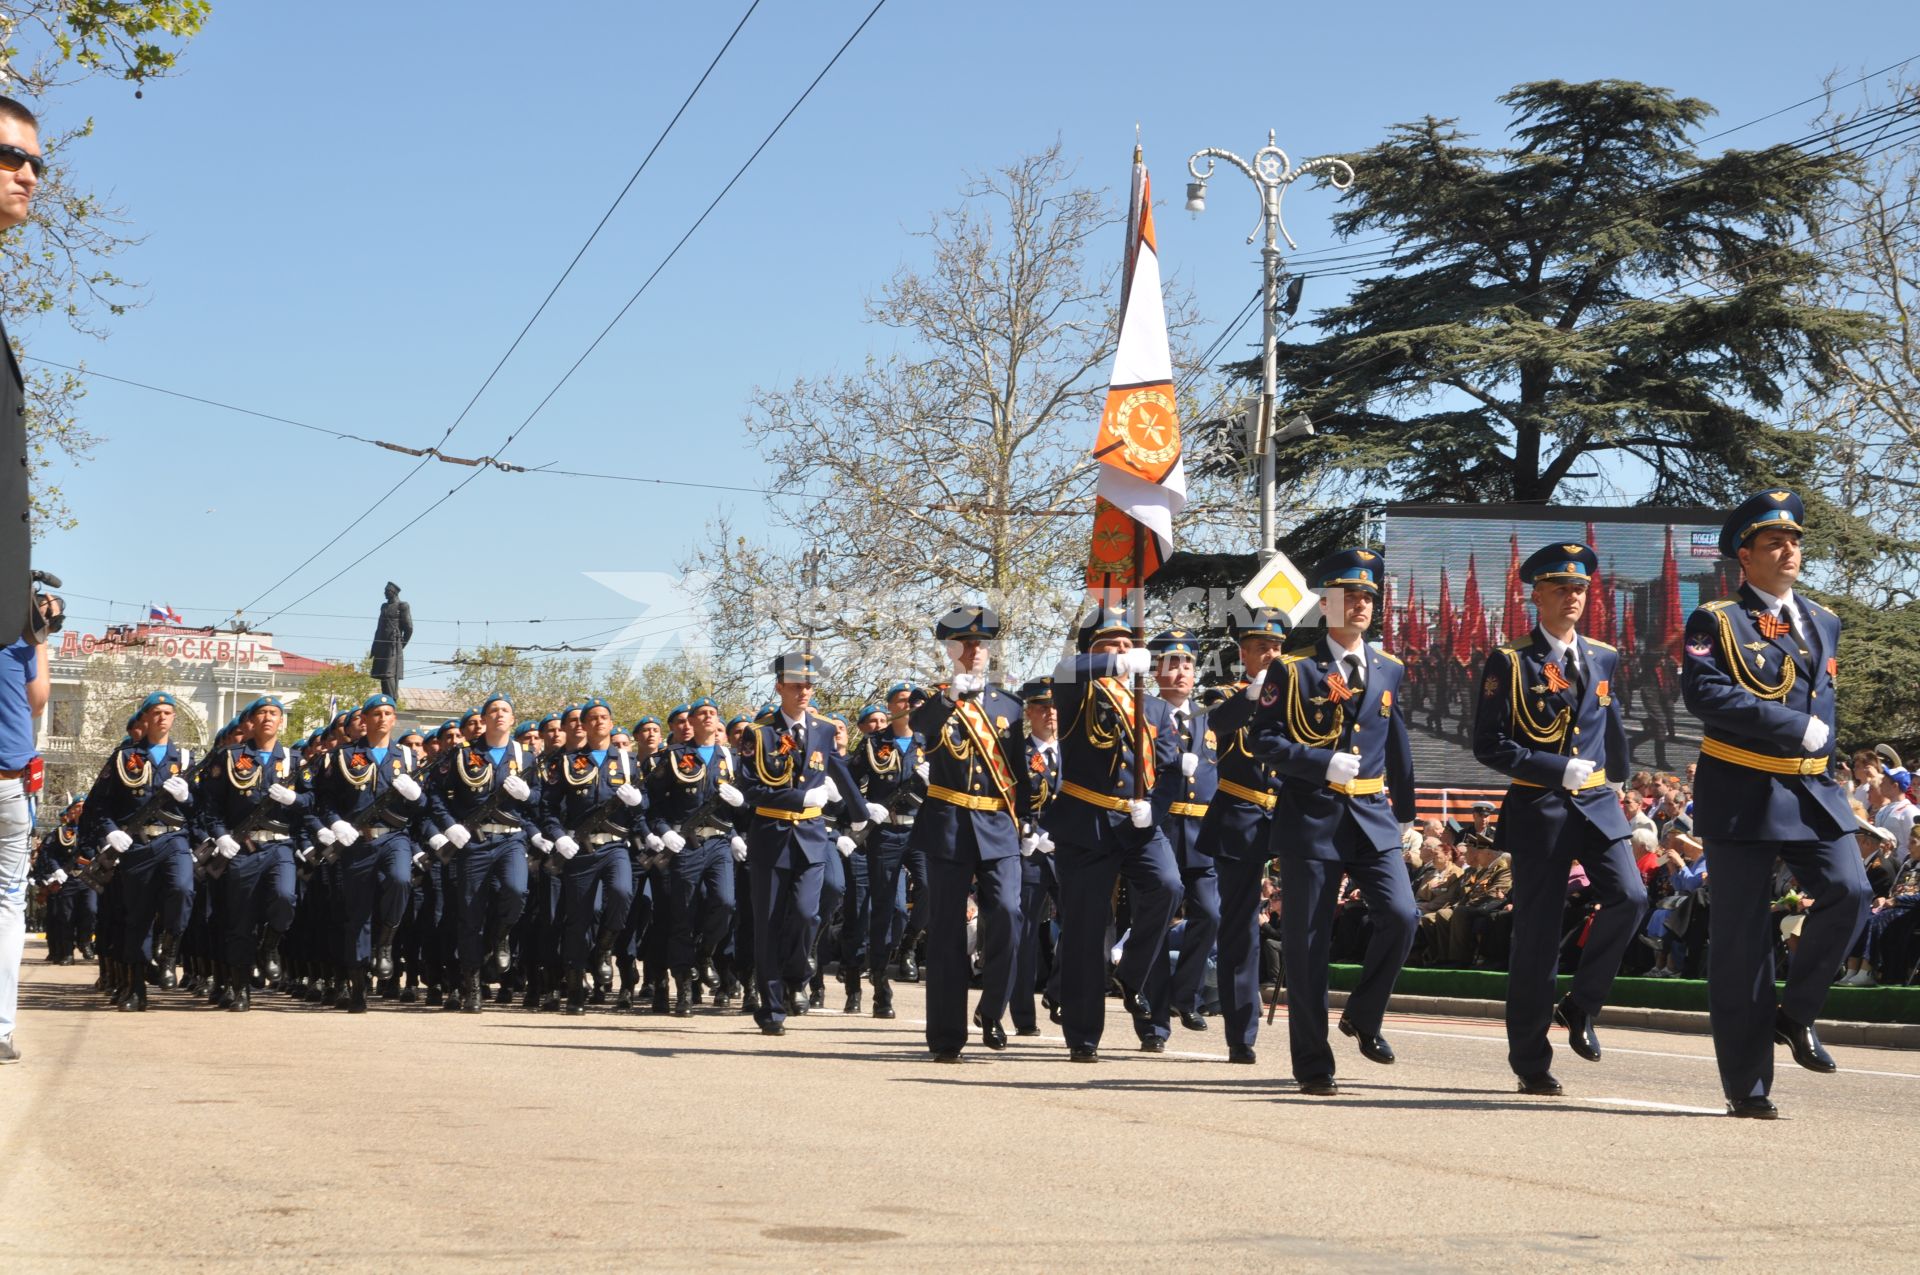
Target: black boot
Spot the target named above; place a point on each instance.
(629, 975)
(356, 999)
(536, 980)
(603, 960)
(472, 995)
(683, 994)
(268, 958)
(817, 994)
(383, 951)
(576, 992)
(909, 965)
(660, 996)
(163, 949)
(242, 997)
(882, 998)
(499, 951)
(853, 997)
(750, 998)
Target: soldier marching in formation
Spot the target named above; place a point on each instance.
(1037, 846)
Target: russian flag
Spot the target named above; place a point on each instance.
(167, 616)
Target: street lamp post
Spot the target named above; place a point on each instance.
(1272, 172)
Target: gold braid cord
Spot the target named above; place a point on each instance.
(1550, 734)
(1737, 666)
(1299, 724)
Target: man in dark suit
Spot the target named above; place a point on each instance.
(789, 771)
(1331, 726)
(1548, 720)
(1759, 674)
(970, 830)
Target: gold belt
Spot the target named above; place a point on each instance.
(1265, 800)
(1760, 761)
(791, 816)
(971, 801)
(1360, 787)
(1191, 809)
(1597, 779)
(1092, 798)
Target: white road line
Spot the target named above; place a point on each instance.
(1658, 1106)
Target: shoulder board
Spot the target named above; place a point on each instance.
(1721, 605)
(1389, 655)
(1811, 605)
(1605, 646)
(1296, 657)
(1509, 650)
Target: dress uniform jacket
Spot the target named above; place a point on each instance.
(469, 780)
(1097, 755)
(1245, 792)
(681, 785)
(350, 782)
(1180, 801)
(976, 758)
(777, 772)
(578, 786)
(132, 776)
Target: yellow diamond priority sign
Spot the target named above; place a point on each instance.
(1281, 586)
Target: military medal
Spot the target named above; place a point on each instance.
(1556, 681)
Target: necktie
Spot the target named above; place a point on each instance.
(1573, 673)
(1355, 682)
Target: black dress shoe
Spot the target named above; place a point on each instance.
(1240, 1054)
(773, 1029)
(853, 1005)
(1193, 1020)
(242, 999)
(1754, 1108)
(1319, 1087)
(1373, 1048)
(1541, 1085)
(946, 1055)
(1083, 1055)
(1026, 1031)
(1579, 1025)
(883, 1002)
(1153, 1045)
(1136, 1003)
(1805, 1043)
(909, 967)
(992, 1034)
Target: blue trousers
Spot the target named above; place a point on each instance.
(1170, 990)
(701, 878)
(1740, 932)
(156, 886)
(949, 972)
(1038, 882)
(1238, 882)
(1539, 908)
(257, 890)
(374, 879)
(856, 919)
(889, 865)
(785, 901)
(1309, 891)
(490, 886)
(607, 870)
(1086, 909)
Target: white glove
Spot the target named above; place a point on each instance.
(1814, 738)
(283, 794)
(59, 877)
(653, 843)
(119, 841)
(833, 789)
(1189, 763)
(458, 836)
(406, 787)
(731, 795)
(344, 833)
(923, 771)
(1135, 662)
(516, 788)
(673, 841)
(1043, 842)
(1578, 771)
(627, 795)
(739, 844)
(1028, 844)
(877, 813)
(1253, 686)
(1141, 812)
(437, 840)
(176, 788)
(845, 846)
(540, 843)
(968, 684)
(226, 847)
(419, 858)
(324, 836)
(816, 795)
(1342, 768)
(566, 847)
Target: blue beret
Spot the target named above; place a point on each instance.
(678, 710)
(705, 701)
(868, 710)
(467, 716)
(525, 728)
(643, 721)
(155, 700)
(548, 720)
(498, 697)
(736, 719)
(897, 687)
(588, 705)
(378, 701)
(1761, 512)
(265, 701)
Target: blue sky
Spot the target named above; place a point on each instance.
(351, 209)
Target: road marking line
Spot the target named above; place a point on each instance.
(1659, 1106)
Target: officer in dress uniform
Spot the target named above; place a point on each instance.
(1180, 803)
(1331, 726)
(482, 805)
(1759, 674)
(1101, 830)
(69, 907)
(367, 798)
(969, 828)
(791, 772)
(1548, 720)
(1238, 831)
(1039, 881)
(691, 817)
(892, 769)
(591, 810)
(139, 808)
(249, 808)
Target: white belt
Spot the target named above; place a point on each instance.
(707, 834)
(599, 839)
(497, 829)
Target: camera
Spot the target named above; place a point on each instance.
(49, 610)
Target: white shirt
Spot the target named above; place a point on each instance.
(1784, 602)
(1897, 817)
(1343, 654)
(1566, 654)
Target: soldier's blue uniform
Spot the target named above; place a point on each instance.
(1039, 881)
(1238, 833)
(488, 885)
(1759, 674)
(1311, 709)
(583, 802)
(688, 802)
(969, 829)
(887, 764)
(374, 792)
(1180, 803)
(1097, 839)
(783, 765)
(1542, 711)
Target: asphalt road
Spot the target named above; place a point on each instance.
(295, 1137)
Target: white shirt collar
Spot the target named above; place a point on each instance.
(1559, 649)
(1771, 603)
(1340, 653)
(791, 722)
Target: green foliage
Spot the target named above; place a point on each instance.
(345, 686)
(1594, 292)
(540, 684)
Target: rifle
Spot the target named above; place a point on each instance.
(261, 812)
(98, 871)
(489, 812)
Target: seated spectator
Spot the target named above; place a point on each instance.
(1678, 920)
(1896, 812)
(1893, 926)
(1483, 890)
(1876, 853)
(1864, 771)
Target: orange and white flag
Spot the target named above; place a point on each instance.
(1142, 482)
